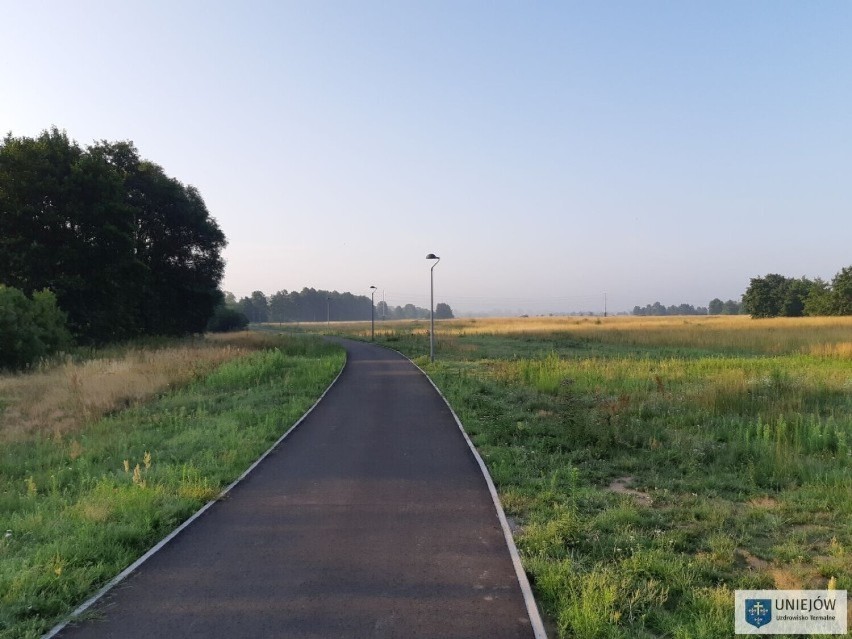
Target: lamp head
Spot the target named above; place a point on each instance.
(432, 256)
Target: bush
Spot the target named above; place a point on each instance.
(226, 319)
(30, 328)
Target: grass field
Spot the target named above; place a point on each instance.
(127, 445)
(654, 465)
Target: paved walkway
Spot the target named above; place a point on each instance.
(372, 519)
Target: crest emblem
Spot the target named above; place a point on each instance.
(758, 612)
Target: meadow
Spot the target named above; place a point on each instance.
(654, 465)
(101, 456)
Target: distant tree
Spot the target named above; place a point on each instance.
(716, 306)
(776, 296)
(279, 307)
(312, 305)
(443, 311)
(795, 294)
(230, 300)
(765, 296)
(819, 300)
(260, 306)
(731, 307)
(382, 310)
(841, 291)
(245, 307)
(226, 319)
(409, 311)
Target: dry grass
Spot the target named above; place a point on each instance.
(821, 336)
(62, 397)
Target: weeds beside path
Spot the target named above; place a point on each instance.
(79, 504)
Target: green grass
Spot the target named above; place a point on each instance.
(78, 509)
(742, 459)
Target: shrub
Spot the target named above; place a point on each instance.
(226, 319)
(30, 328)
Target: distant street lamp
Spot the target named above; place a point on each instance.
(328, 312)
(437, 259)
(372, 314)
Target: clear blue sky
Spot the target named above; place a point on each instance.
(548, 152)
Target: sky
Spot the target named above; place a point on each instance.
(553, 154)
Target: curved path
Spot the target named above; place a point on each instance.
(372, 519)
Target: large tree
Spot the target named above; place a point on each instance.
(127, 249)
(176, 240)
(66, 226)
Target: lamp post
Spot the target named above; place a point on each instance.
(328, 312)
(437, 259)
(372, 314)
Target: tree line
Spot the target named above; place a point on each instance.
(658, 309)
(775, 295)
(778, 296)
(125, 249)
(311, 305)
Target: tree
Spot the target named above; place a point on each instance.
(382, 310)
(30, 328)
(176, 240)
(443, 311)
(715, 307)
(65, 226)
(819, 300)
(731, 307)
(795, 293)
(127, 249)
(226, 319)
(765, 296)
(841, 292)
(776, 295)
(260, 306)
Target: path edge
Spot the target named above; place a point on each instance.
(523, 581)
(112, 583)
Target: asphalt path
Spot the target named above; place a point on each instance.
(372, 519)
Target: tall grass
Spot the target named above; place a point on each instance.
(733, 436)
(820, 336)
(62, 395)
(79, 505)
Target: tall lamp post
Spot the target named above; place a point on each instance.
(437, 259)
(372, 314)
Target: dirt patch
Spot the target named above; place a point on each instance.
(622, 487)
(767, 503)
(754, 563)
(786, 579)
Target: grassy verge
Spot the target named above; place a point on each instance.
(79, 505)
(654, 468)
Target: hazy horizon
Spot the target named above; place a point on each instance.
(550, 154)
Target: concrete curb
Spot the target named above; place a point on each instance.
(136, 564)
(526, 589)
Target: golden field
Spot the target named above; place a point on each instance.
(822, 336)
(62, 396)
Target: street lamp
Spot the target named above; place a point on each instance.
(437, 259)
(372, 314)
(328, 312)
